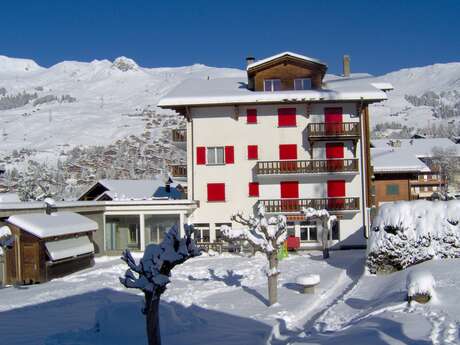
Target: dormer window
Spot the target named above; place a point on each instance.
(302, 84)
(272, 85)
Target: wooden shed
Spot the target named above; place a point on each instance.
(48, 246)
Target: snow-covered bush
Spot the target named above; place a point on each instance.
(264, 235)
(405, 233)
(420, 286)
(152, 273)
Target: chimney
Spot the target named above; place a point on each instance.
(250, 60)
(346, 66)
(50, 206)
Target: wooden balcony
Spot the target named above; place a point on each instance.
(307, 166)
(428, 182)
(178, 170)
(296, 205)
(332, 131)
(179, 135)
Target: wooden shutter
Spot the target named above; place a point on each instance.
(251, 116)
(253, 188)
(253, 152)
(229, 155)
(287, 117)
(333, 118)
(334, 155)
(336, 192)
(216, 191)
(288, 151)
(289, 189)
(201, 155)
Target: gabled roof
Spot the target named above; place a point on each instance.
(281, 56)
(134, 190)
(57, 224)
(388, 160)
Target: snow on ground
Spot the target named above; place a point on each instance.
(222, 300)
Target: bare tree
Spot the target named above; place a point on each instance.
(327, 221)
(446, 162)
(264, 235)
(152, 273)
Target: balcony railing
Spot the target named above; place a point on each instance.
(179, 135)
(306, 166)
(296, 205)
(428, 182)
(333, 130)
(179, 170)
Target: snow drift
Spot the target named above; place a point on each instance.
(405, 233)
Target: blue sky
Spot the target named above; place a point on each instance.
(380, 36)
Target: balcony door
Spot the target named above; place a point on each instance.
(289, 196)
(333, 117)
(334, 156)
(335, 194)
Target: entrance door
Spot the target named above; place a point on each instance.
(334, 155)
(30, 268)
(336, 194)
(333, 118)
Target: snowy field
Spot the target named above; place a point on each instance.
(222, 300)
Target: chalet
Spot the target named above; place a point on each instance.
(406, 169)
(288, 136)
(48, 246)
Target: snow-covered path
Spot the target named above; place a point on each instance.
(212, 300)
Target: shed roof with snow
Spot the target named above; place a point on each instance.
(9, 197)
(388, 160)
(43, 225)
(421, 148)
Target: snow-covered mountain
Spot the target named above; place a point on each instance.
(51, 114)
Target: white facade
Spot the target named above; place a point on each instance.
(221, 126)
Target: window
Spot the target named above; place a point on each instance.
(132, 233)
(290, 228)
(308, 231)
(253, 152)
(272, 85)
(216, 191)
(219, 237)
(392, 189)
(253, 188)
(302, 84)
(287, 117)
(335, 232)
(215, 155)
(251, 116)
(201, 232)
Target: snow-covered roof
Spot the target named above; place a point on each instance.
(9, 197)
(418, 147)
(69, 247)
(57, 224)
(396, 160)
(277, 56)
(137, 189)
(235, 91)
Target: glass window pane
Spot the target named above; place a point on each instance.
(276, 85)
(122, 231)
(267, 85)
(211, 155)
(307, 84)
(157, 225)
(290, 229)
(313, 234)
(297, 84)
(336, 231)
(220, 155)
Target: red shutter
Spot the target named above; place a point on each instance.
(253, 188)
(229, 155)
(201, 155)
(336, 192)
(253, 152)
(251, 116)
(334, 154)
(333, 118)
(289, 189)
(216, 191)
(288, 151)
(287, 117)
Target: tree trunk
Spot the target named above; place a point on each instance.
(152, 316)
(273, 279)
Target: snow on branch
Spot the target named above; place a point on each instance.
(6, 238)
(152, 273)
(263, 235)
